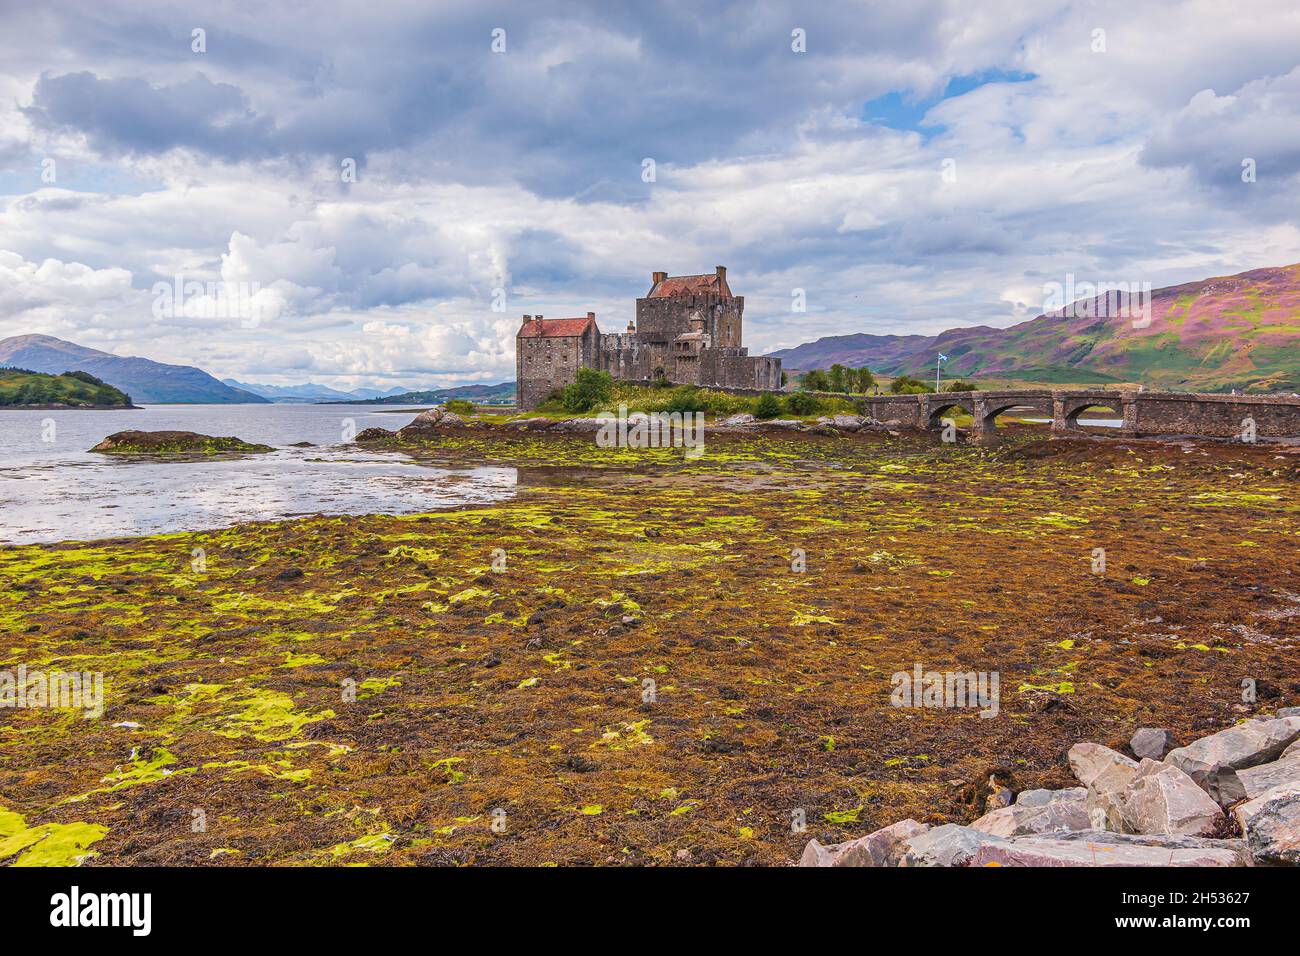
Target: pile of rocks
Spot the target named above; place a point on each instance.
(1230, 799)
(432, 419)
(827, 424)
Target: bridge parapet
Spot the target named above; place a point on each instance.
(1142, 413)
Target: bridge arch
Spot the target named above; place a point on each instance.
(939, 407)
(991, 410)
(1076, 409)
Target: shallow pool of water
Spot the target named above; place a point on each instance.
(53, 489)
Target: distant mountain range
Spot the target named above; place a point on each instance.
(310, 392)
(500, 394)
(1240, 331)
(146, 381)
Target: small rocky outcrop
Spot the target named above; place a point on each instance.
(176, 444)
(431, 421)
(1154, 813)
(581, 425)
(739, 420)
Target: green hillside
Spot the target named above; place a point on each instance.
(1228, 332)
(20, 388)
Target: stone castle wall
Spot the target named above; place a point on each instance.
(690, 339)
(663, 319)
(543, 364)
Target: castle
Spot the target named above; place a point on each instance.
(687, 331)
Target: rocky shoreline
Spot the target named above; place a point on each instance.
(439, 418)
(1229, 799)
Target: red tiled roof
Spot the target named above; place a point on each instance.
(552, 328)
(709, 284)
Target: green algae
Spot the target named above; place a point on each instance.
(47, 844)
(139, 770)
(702, 554)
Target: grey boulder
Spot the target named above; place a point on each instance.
(1100, 848)
(738, 421)
(884, 847)
(433, 418)
(1101, 768)
(1213, 761)
(846, 423)
(1266, 776)
(1038, 811)
(1151, 742)
(1245, 745)
(580, 425)
(532, 424)
(948, 845)
(1163, 799)
(1271, 824)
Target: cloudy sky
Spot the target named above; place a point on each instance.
(916, 166)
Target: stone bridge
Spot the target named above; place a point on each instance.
(1143, 413)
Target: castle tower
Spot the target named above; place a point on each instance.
(549, 352)
(665, 311)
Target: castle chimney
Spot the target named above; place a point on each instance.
(591, 316)
(722, 275)
(658, 277)
(538, 317)
(527, 319)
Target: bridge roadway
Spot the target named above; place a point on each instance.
(1143, 413)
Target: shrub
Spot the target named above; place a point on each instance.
(957, 385)
(815, 381)
(801, 403)
(460, 406)
(591, 389)
(906, 385)
(686, 400)
(767, 406)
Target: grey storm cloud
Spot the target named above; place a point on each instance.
(129, 115)
(572, 107)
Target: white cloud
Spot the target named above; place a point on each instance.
(522, 171)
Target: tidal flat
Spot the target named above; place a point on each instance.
(641, 659)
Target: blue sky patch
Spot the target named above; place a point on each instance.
(904, 111)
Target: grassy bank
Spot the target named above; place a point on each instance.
(20, 388)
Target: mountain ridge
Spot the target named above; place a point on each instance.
(1226, 332)
(146, 381)
(310, 392)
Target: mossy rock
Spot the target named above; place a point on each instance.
(172, 444)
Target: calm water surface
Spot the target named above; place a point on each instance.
(53, 489)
